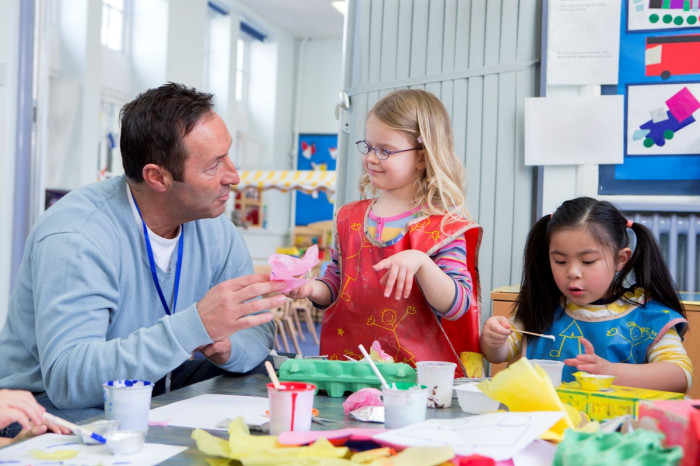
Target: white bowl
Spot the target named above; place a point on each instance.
(125, 442)
(473, 401)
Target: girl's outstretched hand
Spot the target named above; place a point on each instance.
(590, 362)
(496, 331)
(304, 291)
(402, 267)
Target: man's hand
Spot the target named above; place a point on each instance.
(229, 307)
(218, 352)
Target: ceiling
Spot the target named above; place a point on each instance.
(313, 19)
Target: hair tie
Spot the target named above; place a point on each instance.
(630, 223)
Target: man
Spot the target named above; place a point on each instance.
(125, 278)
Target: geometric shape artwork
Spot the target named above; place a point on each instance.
(672, 55)
(682, 104)
(664, 130)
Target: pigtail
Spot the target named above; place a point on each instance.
(539, 296)
(650, 270)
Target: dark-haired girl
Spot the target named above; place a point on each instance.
(612, 308)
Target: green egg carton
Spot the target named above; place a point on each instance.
(639, 448)
(338, 377)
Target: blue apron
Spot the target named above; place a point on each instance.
(623, 337)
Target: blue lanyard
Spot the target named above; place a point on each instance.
(152, 261)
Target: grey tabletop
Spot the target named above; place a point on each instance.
(254, 385)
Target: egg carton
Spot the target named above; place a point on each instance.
(639, 448)
(338, 377)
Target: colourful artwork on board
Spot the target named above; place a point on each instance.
(316, 152)
(659, 77)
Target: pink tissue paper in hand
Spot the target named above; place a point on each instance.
(290, 268)
(363, 397)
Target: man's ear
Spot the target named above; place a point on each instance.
(622, 258)
(158, 178)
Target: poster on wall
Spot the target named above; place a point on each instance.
(582, 42)
(316, 152)
(659, 78)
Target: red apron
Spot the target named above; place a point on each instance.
(407, 329)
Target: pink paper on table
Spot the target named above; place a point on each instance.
(290, 268)
(304, 438)
(363, 397)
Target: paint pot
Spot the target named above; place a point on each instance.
(125, 442)
(439, 377)
(291, 406)
(552, 368)
(128, 401)
(404, 405)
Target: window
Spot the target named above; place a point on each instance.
(241, 68)
(113, 24)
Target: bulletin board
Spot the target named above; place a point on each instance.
(659, 77)
(316, 152)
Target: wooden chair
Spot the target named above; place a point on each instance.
(307, 308)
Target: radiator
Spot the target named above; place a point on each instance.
(677, 235)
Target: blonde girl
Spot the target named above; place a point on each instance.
(403, 269)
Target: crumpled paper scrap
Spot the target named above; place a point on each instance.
(290, 268)
(524, 387)
(259, 450)
(377, 354)
(362, 397)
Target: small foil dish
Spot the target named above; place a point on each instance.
(594, 382)
(125, 442)
(101, 427)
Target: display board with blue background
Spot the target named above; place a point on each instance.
(316, 152)
(659, 72)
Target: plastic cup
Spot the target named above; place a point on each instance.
(552, 368)
(128, 401)
(439, 377)
(291, 406)
(404, 405)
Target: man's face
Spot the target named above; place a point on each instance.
(208, 171)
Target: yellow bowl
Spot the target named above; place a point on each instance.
(594, 382)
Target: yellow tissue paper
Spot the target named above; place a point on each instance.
(259, 450)
(473, 363)
(524, 387)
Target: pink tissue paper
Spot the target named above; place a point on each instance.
(363, 397)
(290, 268)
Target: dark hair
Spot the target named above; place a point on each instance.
(153, 127)
(539, 296)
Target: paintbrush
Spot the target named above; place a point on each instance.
(76, 429)
(551, 337)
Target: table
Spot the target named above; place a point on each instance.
(253, 385)
(503, 300)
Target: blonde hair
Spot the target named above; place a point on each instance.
(440, 188)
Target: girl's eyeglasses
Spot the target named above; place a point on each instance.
(382, 153)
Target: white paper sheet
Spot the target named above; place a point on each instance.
(207, 411)
(21, 453)
(574, 130)
(539, 452)
(497, 435)
(583, 41)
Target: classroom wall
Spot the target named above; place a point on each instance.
(80, 72)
